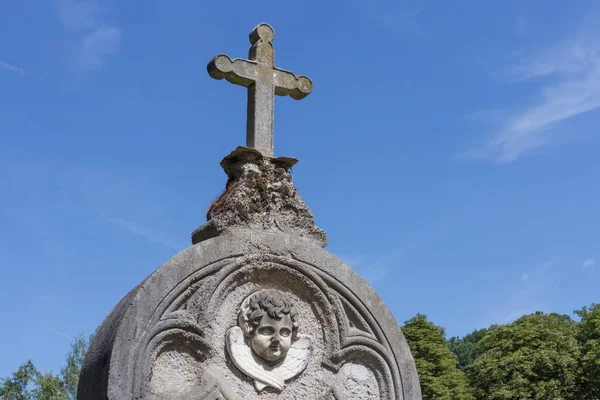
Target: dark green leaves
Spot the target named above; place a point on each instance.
(436, 364)
(538, 357)
(588, 335)
(535, 357)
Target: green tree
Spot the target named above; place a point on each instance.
(49, 387)
(535, 357)
(589, 338)
(30, 384)
(436, 364)
(17, 386)
(70, 372)
(467, 348)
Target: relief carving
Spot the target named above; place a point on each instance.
(265, 345)
(308, 336)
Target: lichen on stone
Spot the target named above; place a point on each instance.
(259, 195)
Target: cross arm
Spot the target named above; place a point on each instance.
(238, 71)
(286, 83)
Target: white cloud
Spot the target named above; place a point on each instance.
(147, 234)
(78, 15)
(527, 296)
(396, 17)
(98, 45)
(96, 197)
(12, 68)
(96, 40)
(570, 88)
(551, 263)
(522, 25)
(590, 262)
(61, 334)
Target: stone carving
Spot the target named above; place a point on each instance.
(176, 335)
(165, 340)
(265, 345)
(259, 195)
(263, 81)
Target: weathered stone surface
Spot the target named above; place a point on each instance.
(263, 81)
(260, 196)
(265, 345)
(166, 338)
(255, 308)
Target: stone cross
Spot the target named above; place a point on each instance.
(263, 81)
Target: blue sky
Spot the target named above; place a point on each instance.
(449, 149)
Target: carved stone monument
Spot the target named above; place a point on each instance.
(255, 308)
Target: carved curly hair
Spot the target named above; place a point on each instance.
(270, 301)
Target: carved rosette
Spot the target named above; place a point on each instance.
(167, 337)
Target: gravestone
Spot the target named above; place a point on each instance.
(255, 308)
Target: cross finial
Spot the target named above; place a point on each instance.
(263, 81)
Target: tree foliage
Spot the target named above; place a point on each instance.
(70, 372)
(535, 357)
(27, 383)
(17, 386)
(588, 335)
(467, 348)
(436, 364)
(539, 356)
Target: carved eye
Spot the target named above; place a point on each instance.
(266, 330)
(285, 332)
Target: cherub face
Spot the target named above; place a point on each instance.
(272, 338)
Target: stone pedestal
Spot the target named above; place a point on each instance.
(256, 276)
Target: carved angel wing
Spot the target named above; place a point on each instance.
(242, 357)
(296, 359)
